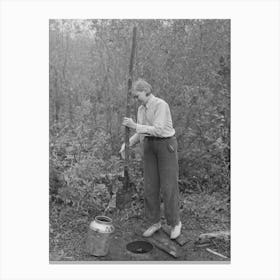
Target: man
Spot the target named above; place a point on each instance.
(155, 129)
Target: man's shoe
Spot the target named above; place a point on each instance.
(152, 229)
(176, 231)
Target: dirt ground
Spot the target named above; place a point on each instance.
(68, 239)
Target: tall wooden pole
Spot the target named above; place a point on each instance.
(129, 88)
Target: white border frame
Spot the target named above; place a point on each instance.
(24, 138)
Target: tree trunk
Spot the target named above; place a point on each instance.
(129, 86)
(56, 101)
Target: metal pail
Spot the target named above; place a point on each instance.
(99, 235)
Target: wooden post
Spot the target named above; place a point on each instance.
(129, 88)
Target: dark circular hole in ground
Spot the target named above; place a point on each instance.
(103, 219)
(139, 247)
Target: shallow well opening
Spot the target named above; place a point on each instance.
(139, 247)
(103, 219)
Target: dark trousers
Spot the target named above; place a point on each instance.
(161, 174)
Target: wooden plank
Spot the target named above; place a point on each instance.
(161, 236)
(216, 253)
(162, 242)
(163, 247)
(182, 239)
(204, 237)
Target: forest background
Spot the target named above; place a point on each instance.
(188, 64)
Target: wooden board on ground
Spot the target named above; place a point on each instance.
(181, 240)
(205, 237)
(162, 242)
(216, 253)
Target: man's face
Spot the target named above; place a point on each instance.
(140, 96)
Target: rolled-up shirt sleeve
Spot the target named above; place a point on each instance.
(159, 122)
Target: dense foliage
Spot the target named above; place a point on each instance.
(188, 64)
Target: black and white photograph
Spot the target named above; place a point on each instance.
(139, 139)
(139, 120)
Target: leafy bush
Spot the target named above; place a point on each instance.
(77, 166)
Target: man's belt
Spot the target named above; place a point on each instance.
(158, 138)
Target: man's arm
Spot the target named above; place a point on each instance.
(134, 139)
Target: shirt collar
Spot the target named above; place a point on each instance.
(150, 101)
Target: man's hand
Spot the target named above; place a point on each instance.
(122, 150)
(129, 123)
